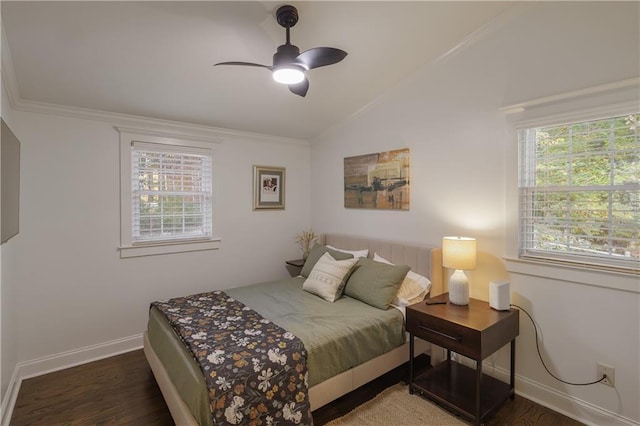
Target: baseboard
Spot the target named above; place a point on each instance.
(561, 402)
(49, 364)
(551, 398)
(10, 397)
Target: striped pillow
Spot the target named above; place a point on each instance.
(328, 276)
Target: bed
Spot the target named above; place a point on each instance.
(181, 381)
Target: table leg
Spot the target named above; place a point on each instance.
(513, 369)
(478, 387)
(411, 344)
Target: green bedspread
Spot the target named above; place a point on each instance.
(337, 336)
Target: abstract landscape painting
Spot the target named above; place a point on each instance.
(377, 181)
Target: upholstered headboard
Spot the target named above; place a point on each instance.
(423, 260)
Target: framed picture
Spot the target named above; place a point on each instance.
(268, 187)
(377, 181)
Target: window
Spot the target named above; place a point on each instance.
(580, 193)
(166, 195)
(171, 193)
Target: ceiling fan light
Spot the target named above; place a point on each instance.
(288, 75)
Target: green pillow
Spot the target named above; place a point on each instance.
(316, 253)
(375, 283)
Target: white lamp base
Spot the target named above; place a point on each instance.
(459, 288)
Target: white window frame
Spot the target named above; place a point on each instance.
(527, 189)
(128, 247)
(610, 99)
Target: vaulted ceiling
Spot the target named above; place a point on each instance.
(155, 59)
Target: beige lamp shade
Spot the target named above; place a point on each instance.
(459, 252)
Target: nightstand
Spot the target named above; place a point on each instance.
(475, 331)
(294, 266)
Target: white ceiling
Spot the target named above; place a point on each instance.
(154, 59)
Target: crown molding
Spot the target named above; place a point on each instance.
(622, 85)
(127, 120)
(10, 83)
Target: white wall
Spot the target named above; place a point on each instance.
(72, 288)
(462, 152)
(8, 352)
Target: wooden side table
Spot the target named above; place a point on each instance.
(294, 266)
(475, 331)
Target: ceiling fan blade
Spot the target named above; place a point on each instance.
(301, 88)
(320, 57)
(247, 64)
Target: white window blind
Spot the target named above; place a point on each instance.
(580, 193)
(171, 190)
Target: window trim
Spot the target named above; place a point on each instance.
(570, 259)
(616, 98)
(128, 248)
(574, 274)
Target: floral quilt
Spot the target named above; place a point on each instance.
(255, 371)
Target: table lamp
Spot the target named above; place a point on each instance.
(459, 253)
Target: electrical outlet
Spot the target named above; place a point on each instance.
(610, 372)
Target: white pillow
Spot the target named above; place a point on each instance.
(328, 276)
(413, 289)
(355, 253)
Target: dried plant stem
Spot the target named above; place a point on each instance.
(305, 241)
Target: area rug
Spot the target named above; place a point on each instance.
(395, 406)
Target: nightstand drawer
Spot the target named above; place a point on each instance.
(449, 335)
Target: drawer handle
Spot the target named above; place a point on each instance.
(439, 333)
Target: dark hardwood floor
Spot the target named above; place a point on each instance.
(122, 391)
(119, 390)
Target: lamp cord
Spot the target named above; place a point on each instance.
(535, 327)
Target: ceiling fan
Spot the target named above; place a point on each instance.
(289, 65)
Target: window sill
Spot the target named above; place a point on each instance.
(168, 248)
(593, 277)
